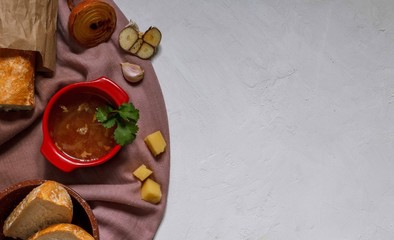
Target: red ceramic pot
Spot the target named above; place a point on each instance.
(102, 87)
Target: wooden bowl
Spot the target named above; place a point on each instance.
(13, 195)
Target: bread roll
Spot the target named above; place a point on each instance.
(17, 74)
(62, 231)
(45, 205)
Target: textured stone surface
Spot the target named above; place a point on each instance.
(281, 117)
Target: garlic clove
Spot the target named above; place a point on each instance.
(133, 25)
(132, 72)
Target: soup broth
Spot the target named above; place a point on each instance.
(75, 130)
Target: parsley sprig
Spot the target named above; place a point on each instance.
(124, 118)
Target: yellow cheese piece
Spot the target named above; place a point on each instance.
(150, 191)
(156, 143)
(142, 172)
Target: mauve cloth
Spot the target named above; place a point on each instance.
(110, 189)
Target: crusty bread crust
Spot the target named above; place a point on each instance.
(17, 74)
(45, 205)
(62, 231)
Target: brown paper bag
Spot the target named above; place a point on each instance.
(30, 25)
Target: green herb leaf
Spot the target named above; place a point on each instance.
(109, 123)
(124, 118)
(132, 128)
(123, 135)
(103, 112)
(128, 112)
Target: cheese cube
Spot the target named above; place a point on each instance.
(150, 191)
(156, 143)
(142, 172)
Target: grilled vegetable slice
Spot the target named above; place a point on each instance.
(141, 44)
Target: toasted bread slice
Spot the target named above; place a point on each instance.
(17, 75)
(45, 205)
(62, 231)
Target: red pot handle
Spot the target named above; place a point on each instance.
(116, 93)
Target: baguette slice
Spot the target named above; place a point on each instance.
(64, 231)
(17, 75)
(45, 205)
